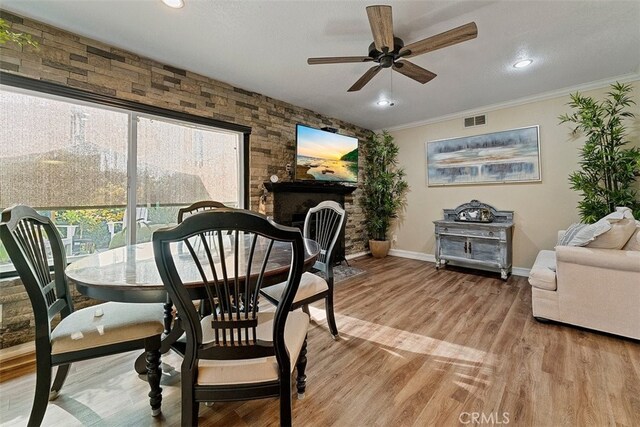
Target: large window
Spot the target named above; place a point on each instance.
(108, 176)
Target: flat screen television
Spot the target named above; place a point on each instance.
(325, 156)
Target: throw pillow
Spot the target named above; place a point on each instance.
(569, 237)
(621, 226)
(633, 244)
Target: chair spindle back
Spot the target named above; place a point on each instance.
(231, 250)
(197, 207)
(35, 248)
(328, 217)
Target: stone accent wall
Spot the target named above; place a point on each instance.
(86, 64)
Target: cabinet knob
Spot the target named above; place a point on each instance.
(446, 229)
(491, 233)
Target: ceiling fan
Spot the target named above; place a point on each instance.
(387, 50)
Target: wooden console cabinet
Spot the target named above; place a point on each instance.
(485, 245)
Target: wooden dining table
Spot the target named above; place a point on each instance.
(129, 274)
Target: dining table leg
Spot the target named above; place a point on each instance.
(173, 331)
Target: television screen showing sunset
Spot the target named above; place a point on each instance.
(326, 156)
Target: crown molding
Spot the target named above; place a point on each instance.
(598, 84)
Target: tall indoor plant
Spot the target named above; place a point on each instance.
(608, 169)
(384, 190)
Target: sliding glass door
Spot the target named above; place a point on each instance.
(106, 176)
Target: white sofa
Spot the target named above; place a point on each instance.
(589, 287)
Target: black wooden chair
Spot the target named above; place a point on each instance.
(197, 207)
(238, 352)
(323, 224)
(35, 248)
(202, 206)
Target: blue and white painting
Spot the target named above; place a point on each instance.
(499, 157)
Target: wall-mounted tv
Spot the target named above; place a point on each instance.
(325, 156)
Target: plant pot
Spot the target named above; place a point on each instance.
(379, 248)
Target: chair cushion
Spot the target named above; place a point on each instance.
(104, 324)
(264, 369)
(310, 285)
(543, 272)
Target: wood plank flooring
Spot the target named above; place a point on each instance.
(418, 347)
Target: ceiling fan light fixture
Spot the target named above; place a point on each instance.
(523, 63)
(175, 4)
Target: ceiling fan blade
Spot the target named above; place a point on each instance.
(366, 77)
(381, 24)
(413, 71)
(457, 35)
(338, 59)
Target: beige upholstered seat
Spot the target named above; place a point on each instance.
(310, 285)
(590, 287)
(265, 369)
(105, 324)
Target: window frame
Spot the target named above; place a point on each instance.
(134, 110)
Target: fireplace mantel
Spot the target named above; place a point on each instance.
(309, 187)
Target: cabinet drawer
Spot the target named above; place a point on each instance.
(463, 231)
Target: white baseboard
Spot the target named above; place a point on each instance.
(412, 255)
(516, 271)
(520, 271)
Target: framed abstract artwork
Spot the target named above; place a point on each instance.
(493, 158)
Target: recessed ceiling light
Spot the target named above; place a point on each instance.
(523, 63)
(176, 4)
(383, 103)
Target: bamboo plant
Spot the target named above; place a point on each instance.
(384, 187)
(608, 168)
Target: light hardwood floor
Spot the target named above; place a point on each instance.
(418, 347)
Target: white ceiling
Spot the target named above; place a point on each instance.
(263, 46)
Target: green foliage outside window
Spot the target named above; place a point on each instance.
(6, 35)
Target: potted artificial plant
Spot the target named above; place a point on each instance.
(608, 169)
(384, 190)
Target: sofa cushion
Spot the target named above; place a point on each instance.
(543, 274)
(622, 227)
(633, 244)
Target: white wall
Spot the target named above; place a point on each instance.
(540, 208)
